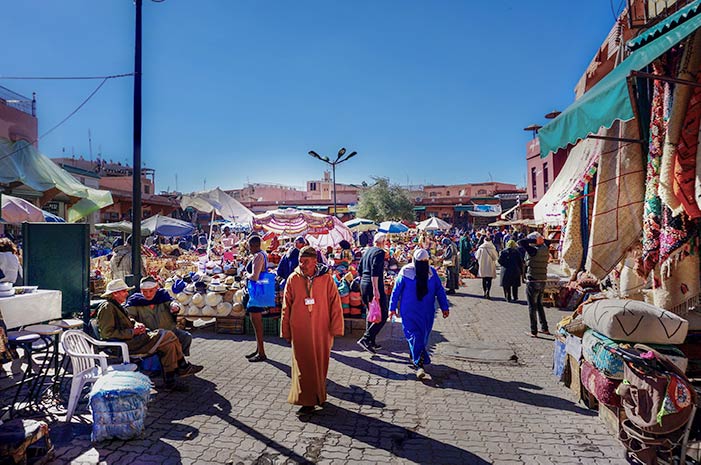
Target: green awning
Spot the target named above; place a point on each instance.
(609, 99)
(665, 25)
(463, 208)
(419, 209)
(21, 162)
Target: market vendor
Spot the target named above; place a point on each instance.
(154, 308)
(290, 260)
(114, 324)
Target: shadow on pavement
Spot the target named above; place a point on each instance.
(352, 393)
(445, 377)
(397, 440)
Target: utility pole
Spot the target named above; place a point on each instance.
(136, 174)
(338, 161)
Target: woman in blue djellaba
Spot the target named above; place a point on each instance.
(415, 290)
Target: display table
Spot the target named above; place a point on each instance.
(26, 309)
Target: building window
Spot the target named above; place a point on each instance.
(147, 189)
(534, 182)
(312, 186)
(447, 193)
(482, 192)
(432, 194)
(546, 183)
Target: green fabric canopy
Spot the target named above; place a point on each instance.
(672, 21)
(22, 162)
(609, 99)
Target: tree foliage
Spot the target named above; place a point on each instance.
(384, 202)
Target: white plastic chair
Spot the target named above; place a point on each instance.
(87, 365)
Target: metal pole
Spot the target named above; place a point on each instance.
(333, 168)
(136, 175)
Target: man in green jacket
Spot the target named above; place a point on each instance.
(537, 256)
(154, 308)
(114, 324)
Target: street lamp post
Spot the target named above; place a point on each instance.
(136, 173)
(339, 159)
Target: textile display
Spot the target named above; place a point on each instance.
(118, 402)
(559, 358)
(601, 387)
(578, 170)
(688, 68)
(631, 285)
(683, 182)
(633, 321)
(618, 202)
(292, 222)
(652, 218)
(672, 292)
(572, 245)
(594, 351)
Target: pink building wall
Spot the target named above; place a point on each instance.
(537, 169)
(123, 183)
(17, 125)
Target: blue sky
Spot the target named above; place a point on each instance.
(240, 90)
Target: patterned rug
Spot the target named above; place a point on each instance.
(618, 203)
(572, 246)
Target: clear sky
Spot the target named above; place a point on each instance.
(426, 91)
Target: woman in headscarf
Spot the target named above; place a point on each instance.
(416, 288)
(451, 263)
(511, 270)
(487, 259)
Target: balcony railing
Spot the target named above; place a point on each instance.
(17, 101)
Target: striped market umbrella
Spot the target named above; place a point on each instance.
(393, 227)
(293, 222)
(361, 225)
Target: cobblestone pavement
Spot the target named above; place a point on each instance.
(463, 413)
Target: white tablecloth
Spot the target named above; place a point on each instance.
(29, 309)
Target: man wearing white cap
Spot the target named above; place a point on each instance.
(154, 308)
(372, 288)
(114, 324)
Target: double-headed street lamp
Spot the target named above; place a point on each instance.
(339, 159)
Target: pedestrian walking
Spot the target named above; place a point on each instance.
(511, 271)
(451, 264)
(537, 255)
(416, 289)
(465, 251)
(371, 270)
(311, 317)
(487, 257)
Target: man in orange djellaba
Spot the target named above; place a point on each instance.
(311, 317)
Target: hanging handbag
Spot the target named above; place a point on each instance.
(262, 292)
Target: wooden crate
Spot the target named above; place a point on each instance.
(229, 325)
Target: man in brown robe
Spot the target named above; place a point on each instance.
(311, 317)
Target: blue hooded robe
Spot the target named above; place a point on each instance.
(417, 315)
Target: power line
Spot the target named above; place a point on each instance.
(82, 104)
(66, 78)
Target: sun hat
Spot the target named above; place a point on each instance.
(421, 255)
(189, 289)
(213, 299)
(200, 287)
(116, 285)
(178, 286)
(379, 237)
(148, 282)
(534, 235)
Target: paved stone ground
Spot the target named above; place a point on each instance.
(464, 413)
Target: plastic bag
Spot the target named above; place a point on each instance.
(374, 312)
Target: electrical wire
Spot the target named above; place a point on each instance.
(66, 78)
(82, 104)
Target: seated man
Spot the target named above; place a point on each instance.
(114, 324)
(154, 308)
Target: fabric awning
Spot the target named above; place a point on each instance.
(609, 99)
(22, 162)
(419, 209)
(577, 171)
(670, 22)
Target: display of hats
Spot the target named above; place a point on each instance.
(198, 300)
(195, 277)
(209, 311)
(229, 281)
(193, 310)
(217, 269)
(178, 286)
(217, 286)
(224, 309)
(238, 297)
(8, 293)
(189, 289)
(183, 298)
(213, 299)
(229, 296)
(201, 287)
(238, 310)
